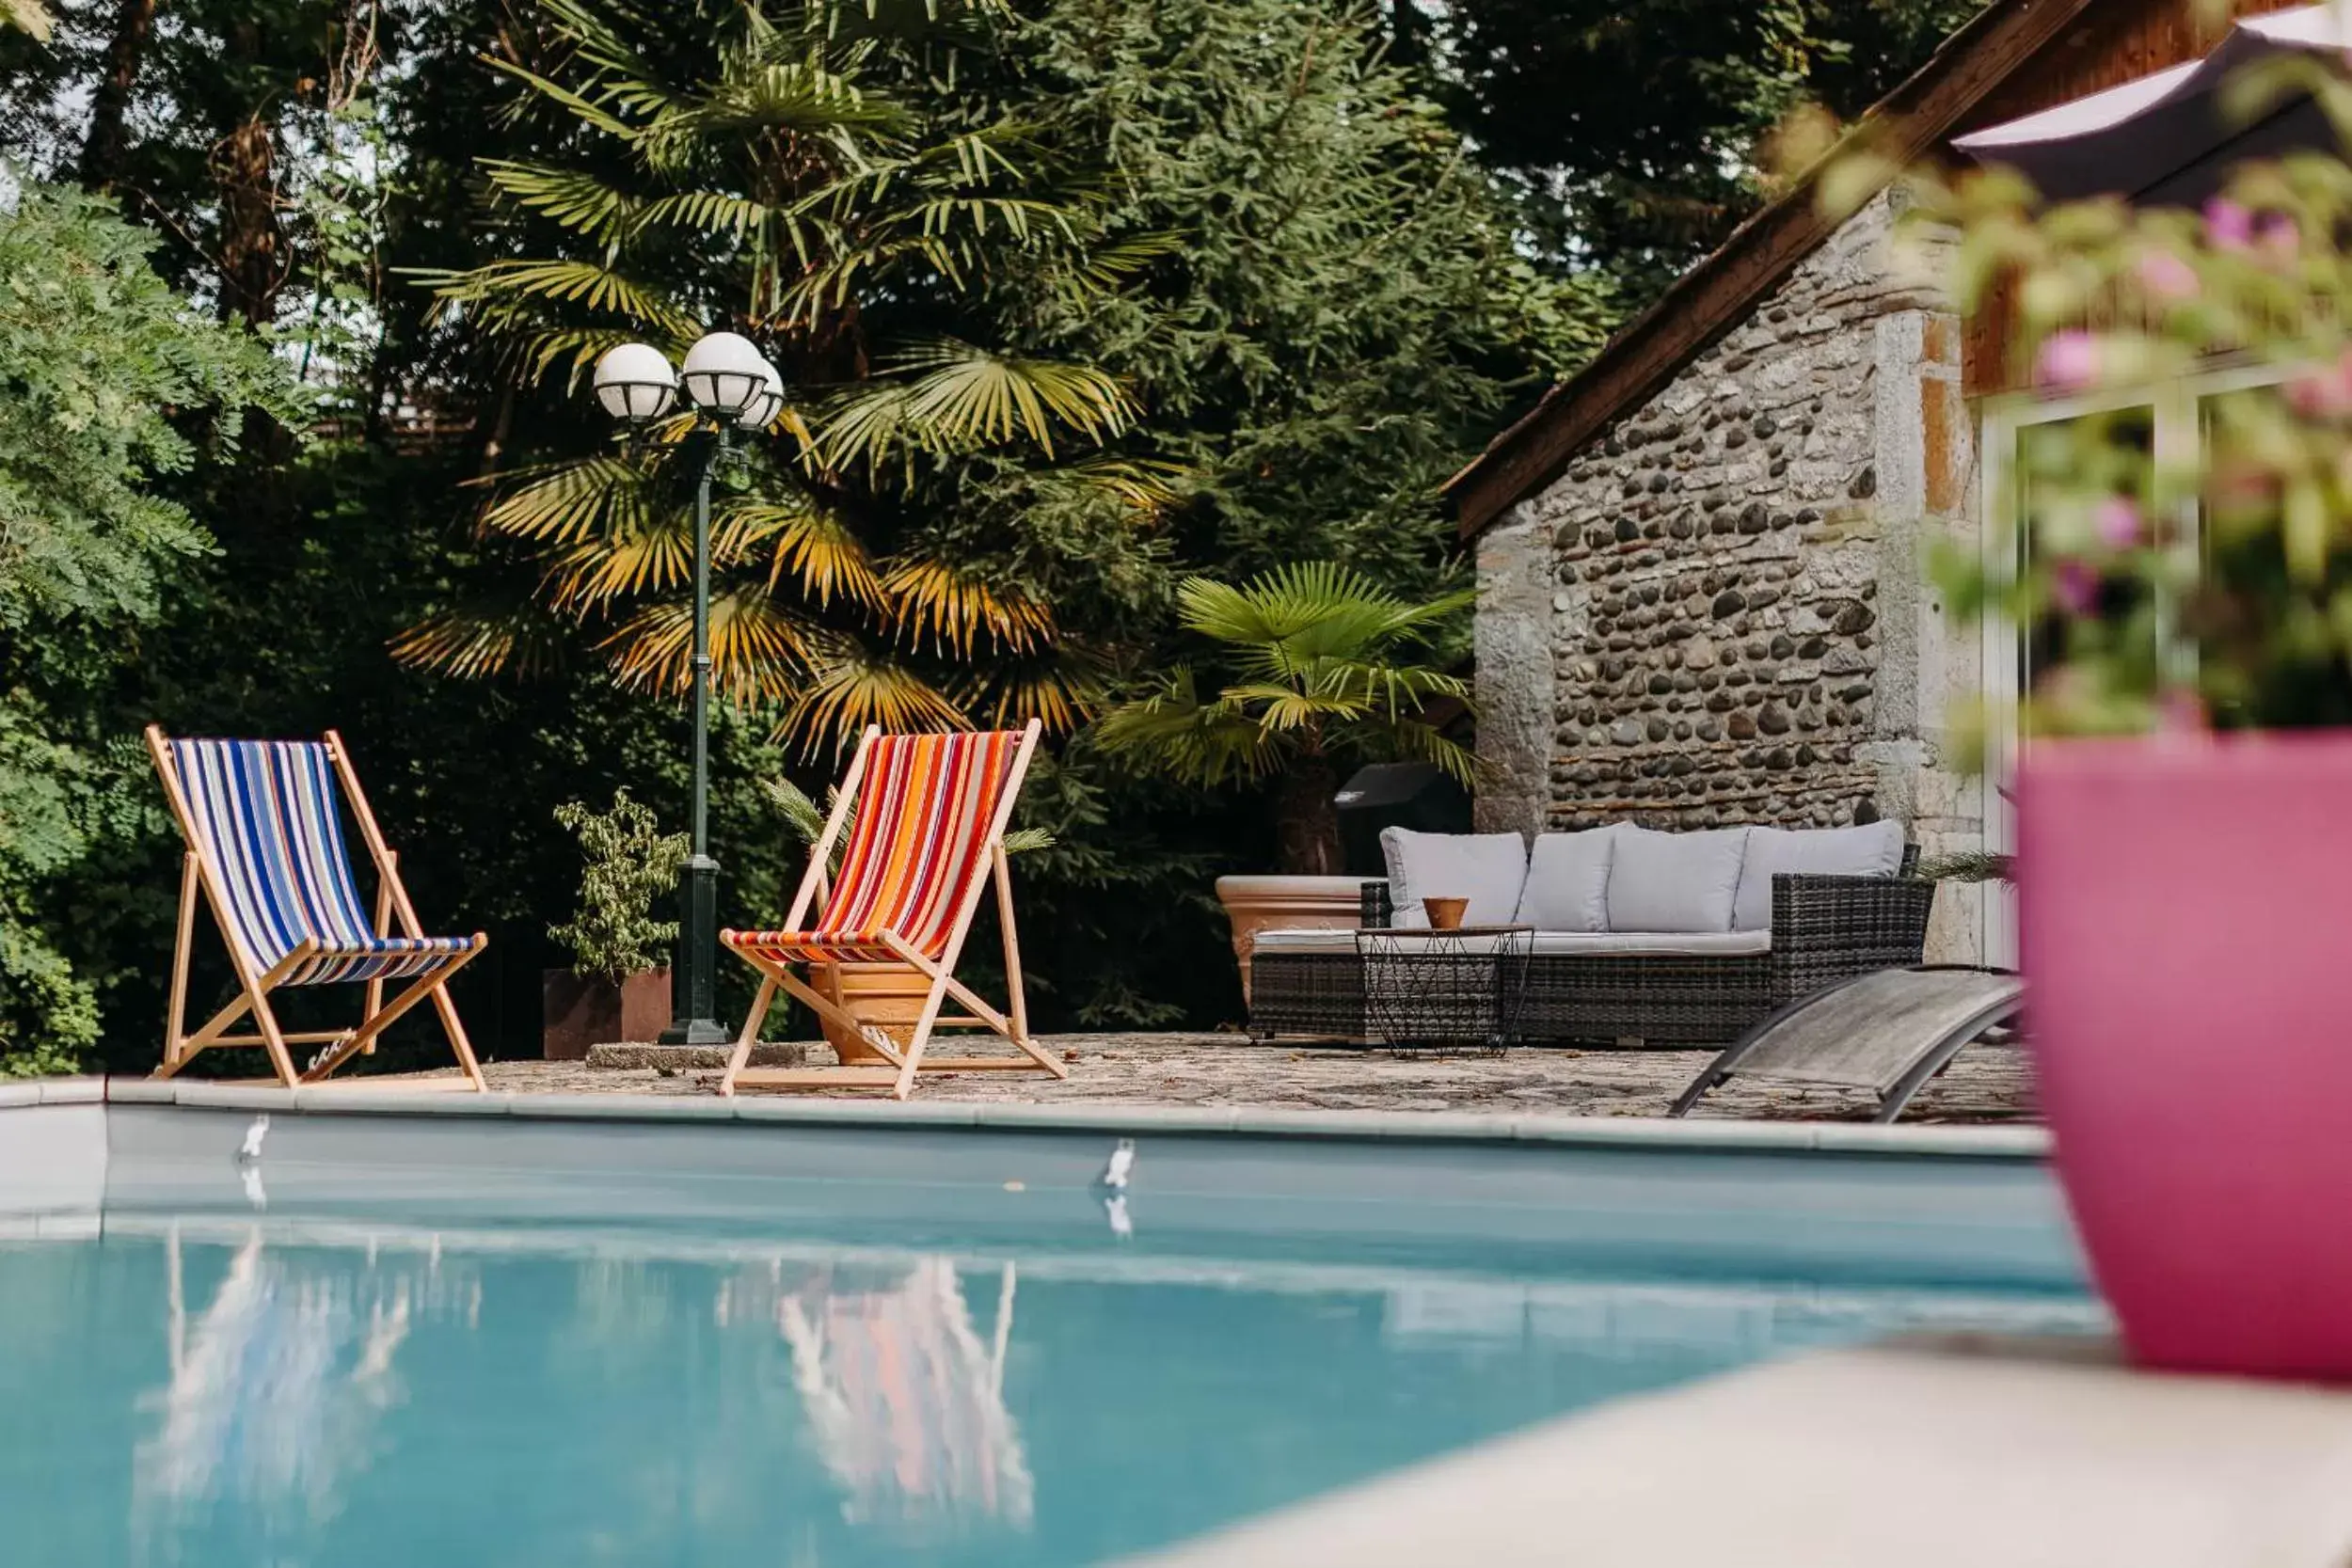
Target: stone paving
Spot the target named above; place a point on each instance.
(1986, 1083)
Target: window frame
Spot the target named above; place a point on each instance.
(2178, 432)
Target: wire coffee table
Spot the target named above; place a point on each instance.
(1444, 991)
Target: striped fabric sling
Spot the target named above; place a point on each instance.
(919, 840)
(266, 814)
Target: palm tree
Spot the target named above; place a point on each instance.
(750, 162)
(1321, 678)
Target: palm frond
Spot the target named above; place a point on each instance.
(708, 213)
(585, 577)
(953, 606)
(587, 111)
(1060, 693)
(805, 816)
(802, 540)
(1207, 743)
(857, 686)
(948, 396)
(476, 642)
(570, 282)
(1107, 266)
(29, 15)
(570, 503)
(751, 97)
(578, 200)
(758, 649)
(1311, 609)
(1147, 486)
(1411, 742)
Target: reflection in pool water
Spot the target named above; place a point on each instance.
(290, 1391)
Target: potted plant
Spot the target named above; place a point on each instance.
(1322, 671)
(618, 987)
(2184, 837)
(888, 996)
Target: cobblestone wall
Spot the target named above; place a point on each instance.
(1736, 627)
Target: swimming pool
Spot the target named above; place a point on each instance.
(400, 1341)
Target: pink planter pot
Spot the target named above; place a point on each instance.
(2186, 913)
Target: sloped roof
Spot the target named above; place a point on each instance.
(1719, 293)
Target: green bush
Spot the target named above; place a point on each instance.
(630, 863)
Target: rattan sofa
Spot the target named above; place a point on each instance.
(1691, 988)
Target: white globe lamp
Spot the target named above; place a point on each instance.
(634, 381)
(769, 402)
(725, 374)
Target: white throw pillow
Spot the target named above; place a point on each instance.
(1567, 882)
(1675, 881)
(1873, 849)
(1489, 869)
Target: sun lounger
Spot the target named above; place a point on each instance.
(1888, 1033)
(929, 813)
(263, 825)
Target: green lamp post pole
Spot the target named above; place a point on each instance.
(694, 998)
(731, 386)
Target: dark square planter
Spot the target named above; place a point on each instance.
(576, 1013)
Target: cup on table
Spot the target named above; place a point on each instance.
(1445, 914)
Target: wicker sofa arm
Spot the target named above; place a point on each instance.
(1831, 928)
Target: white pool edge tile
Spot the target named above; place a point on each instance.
(1455, 1127)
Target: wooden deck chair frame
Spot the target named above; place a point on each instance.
(197, 874)
(890, 1066)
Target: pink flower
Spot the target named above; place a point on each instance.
(2280, 240)
(2068, 360)
(2166, 277)
(2228, 224)
(2323, 393)
(2117, 522)
(2075, 586)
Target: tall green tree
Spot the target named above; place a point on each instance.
(108, 383)
(1344, 314)
(794, 171)
(1632, 127)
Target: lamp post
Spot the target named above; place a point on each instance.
(731, 386)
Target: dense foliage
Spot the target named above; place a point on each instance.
(1630, 128)
(96, 357)
(1078, 298)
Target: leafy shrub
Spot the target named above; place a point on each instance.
(630, 863)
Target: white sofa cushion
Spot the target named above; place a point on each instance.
(1489, 869)
(1675, 881)
(1679, 944)
(1694, 944)
(1304, 940)
(1567, 882)
(1874, 849)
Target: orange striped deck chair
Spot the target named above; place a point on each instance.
(925, 819)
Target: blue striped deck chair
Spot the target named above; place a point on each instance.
(263, 824)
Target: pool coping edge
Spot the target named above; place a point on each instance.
(1453, 1127)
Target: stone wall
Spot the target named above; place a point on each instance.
(1731, 585)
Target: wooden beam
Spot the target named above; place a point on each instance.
(1710, 300)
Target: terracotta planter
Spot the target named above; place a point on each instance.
(576, 1013)
(889, 996)
(2184, 909)
(1255, 904)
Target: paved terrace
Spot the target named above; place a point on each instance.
(1986, 1083)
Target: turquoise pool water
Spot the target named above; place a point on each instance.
(405, 1343)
